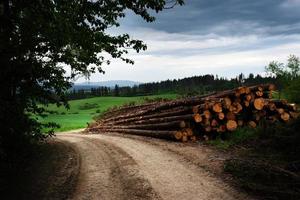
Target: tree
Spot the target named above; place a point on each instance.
(38, 38)
(288, 76)
(116, 91)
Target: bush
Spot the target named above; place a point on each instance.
(270, 165)
(88, 106)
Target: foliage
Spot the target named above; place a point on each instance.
(269, 164)
(288, 75)
(41, 39)
(239, 136)
(88, 106)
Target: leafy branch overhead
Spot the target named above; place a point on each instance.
(38, 38)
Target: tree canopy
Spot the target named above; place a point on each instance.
(288, 76)
(37, 38)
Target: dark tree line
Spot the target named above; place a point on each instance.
(187, 86)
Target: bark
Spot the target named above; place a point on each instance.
(158, 126)
(165, 119)
(149, 133)
(157, 115)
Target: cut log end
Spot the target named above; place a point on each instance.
(207, 114)
(259, 103)
(198, 118)
(217, 107)
(231, 125)
(227, 102)
(285, 116)
(221, 116)
(178, 135)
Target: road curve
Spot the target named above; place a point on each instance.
(116, 167)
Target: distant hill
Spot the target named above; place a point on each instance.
(111, 84)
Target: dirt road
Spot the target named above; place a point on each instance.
(117, 167)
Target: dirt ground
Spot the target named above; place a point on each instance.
(115, 166)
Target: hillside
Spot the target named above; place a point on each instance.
(110, 84)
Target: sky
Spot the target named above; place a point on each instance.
(223, 37)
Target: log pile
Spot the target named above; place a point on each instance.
(198, 117)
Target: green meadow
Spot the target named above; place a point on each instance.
(83, 111)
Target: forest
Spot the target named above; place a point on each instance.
(189, 86)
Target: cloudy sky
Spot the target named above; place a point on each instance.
(224, 37)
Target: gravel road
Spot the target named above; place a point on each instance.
(113, 166)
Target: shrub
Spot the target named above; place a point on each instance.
(88, 106)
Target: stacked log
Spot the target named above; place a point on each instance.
(205, 117)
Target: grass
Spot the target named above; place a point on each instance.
(237, 137)
(82, 111)
(266, 161)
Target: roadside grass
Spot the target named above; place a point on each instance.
(265, 161)
(83, 111)
(237, 137)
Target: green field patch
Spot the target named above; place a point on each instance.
(83, 111)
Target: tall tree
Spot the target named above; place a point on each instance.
(288, 76)
(38, 38)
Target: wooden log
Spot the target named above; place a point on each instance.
(280, 110)
(221, 116)
(189, 131)
(184, 138)
(259, 103)
(226, 102)
(157, 126)
(197, 118)
(157, 115)
(231, 125)
(148, 133)
(207, 114)
(198, 108)
(294, 115)
(248, 97)
(178, 135)
(193, 138)
(260, 88)
(272, 106)
(285, 116)
(150, 109)
(166, 105)
(217, 107)
(238, 107)
(187, 117)
(259, 93)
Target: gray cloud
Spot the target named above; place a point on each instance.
(209, 36)
(237, 16)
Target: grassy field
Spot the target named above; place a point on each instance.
(82, 111)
